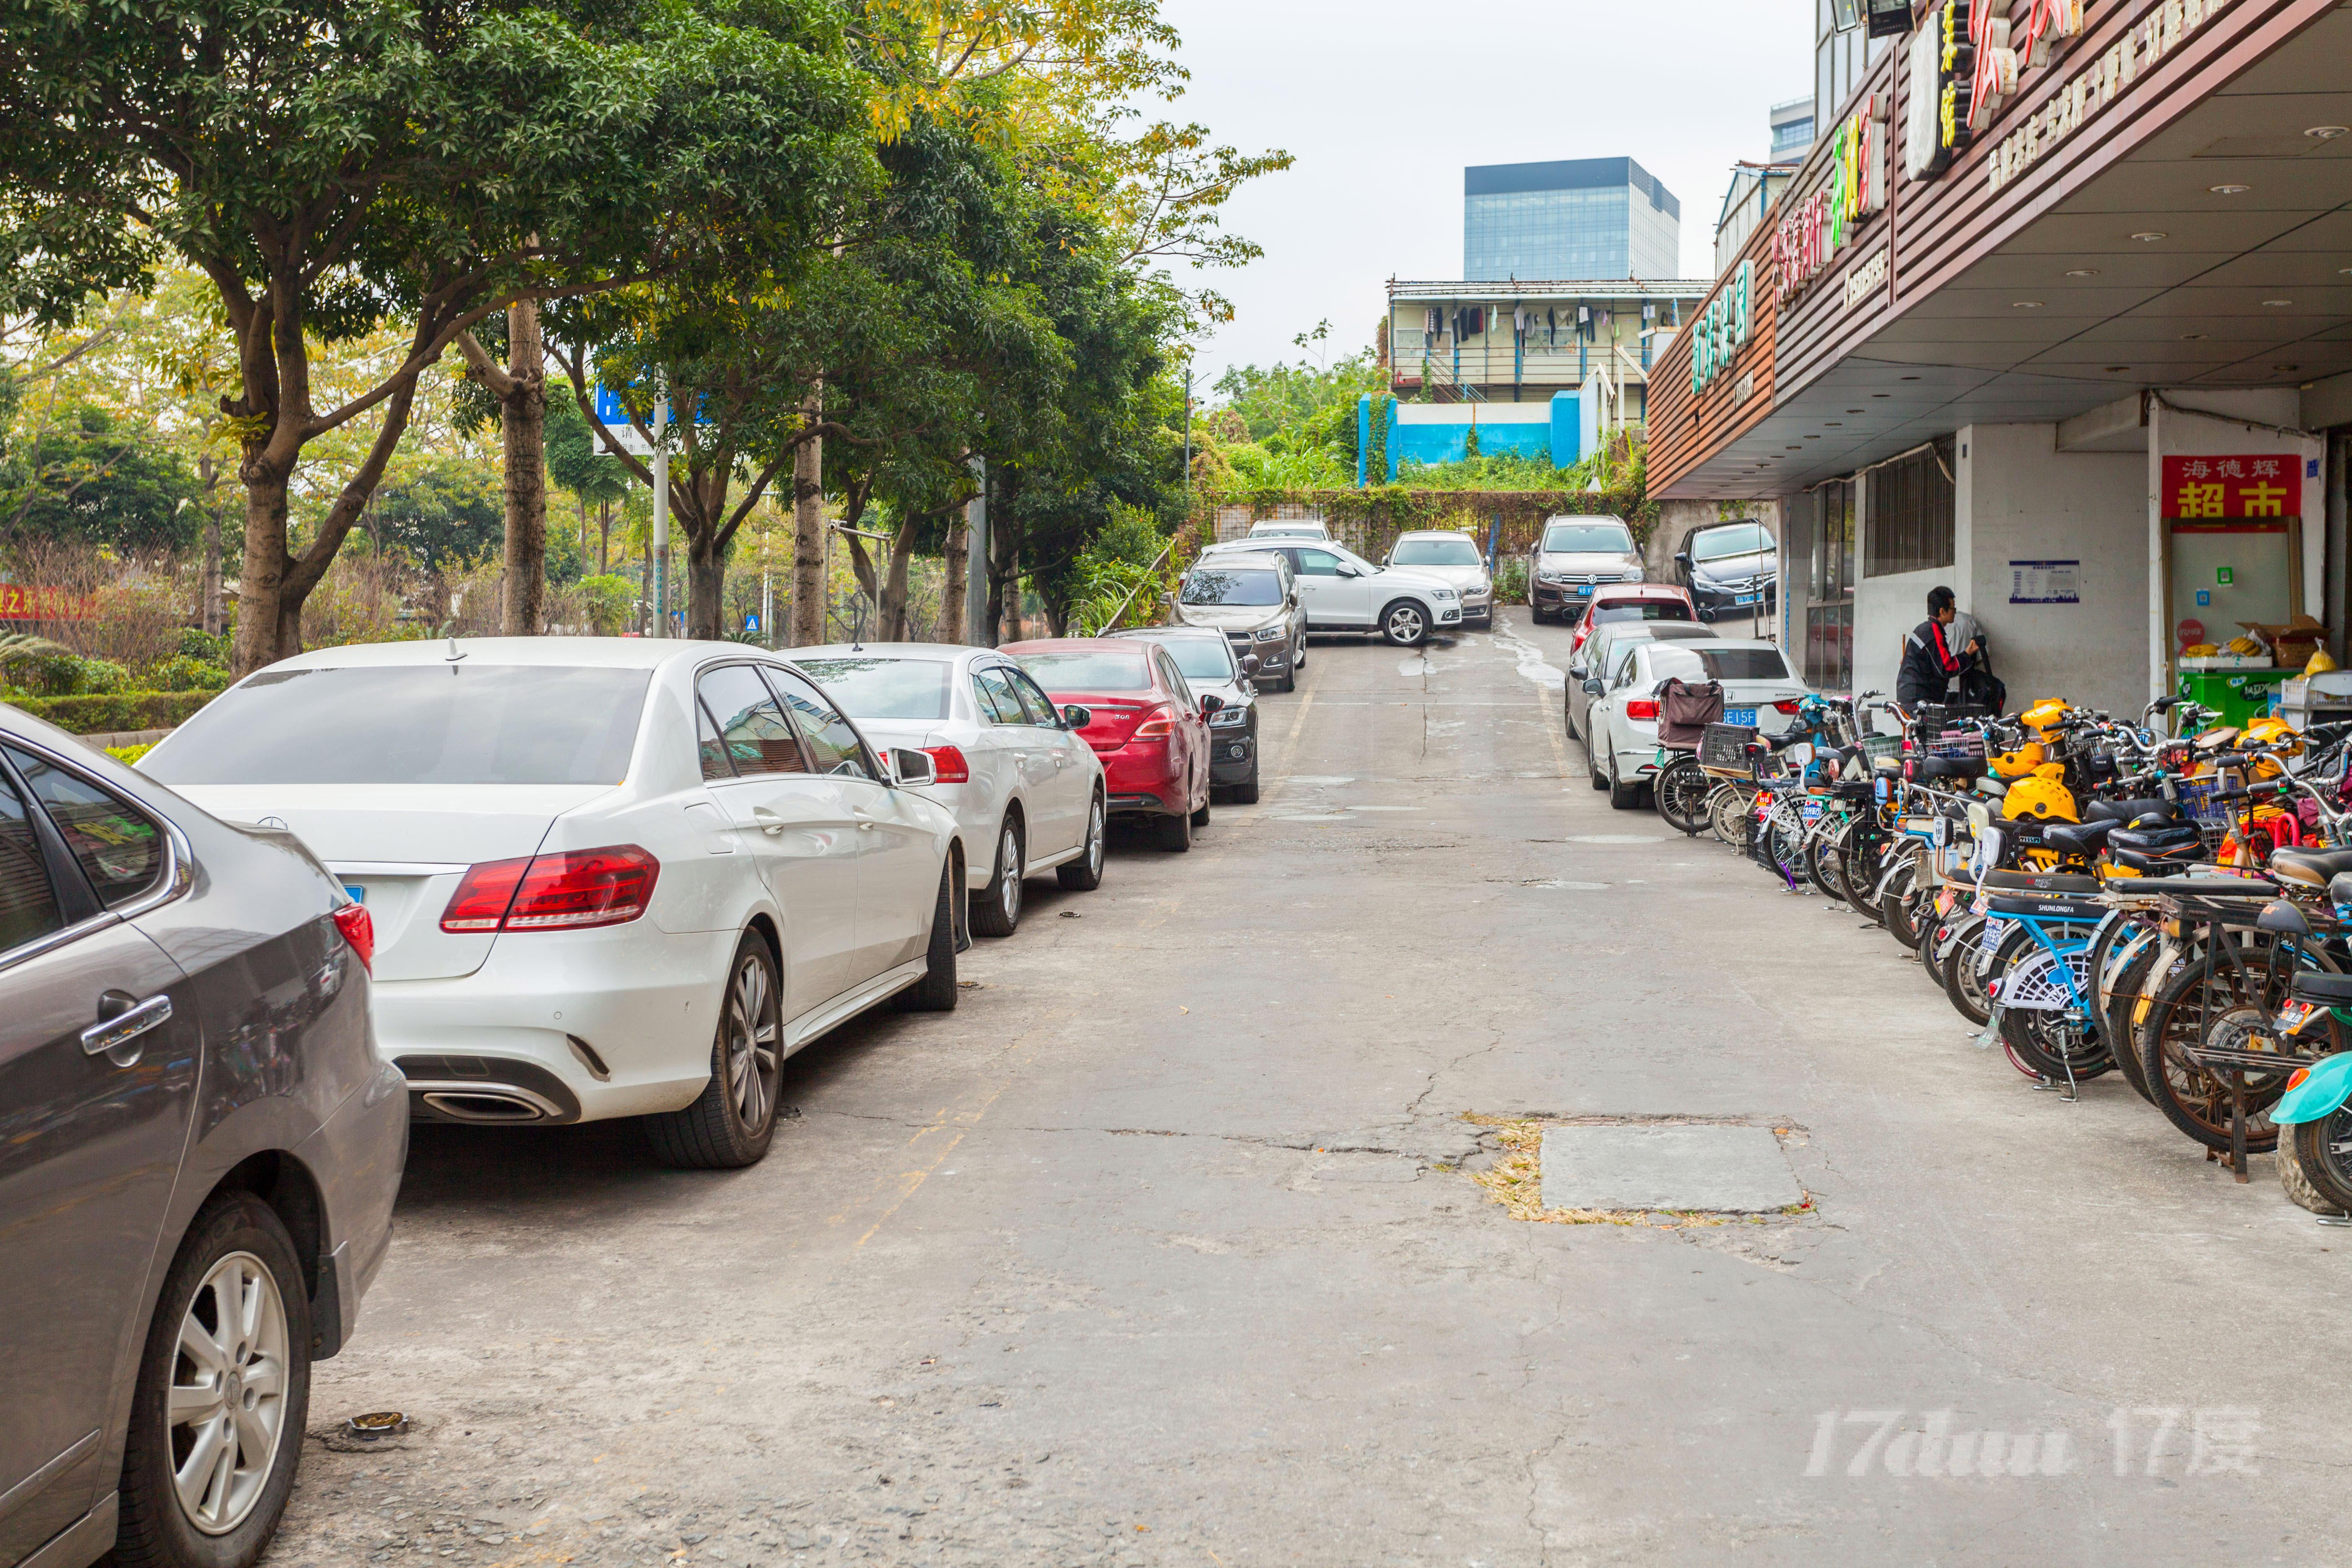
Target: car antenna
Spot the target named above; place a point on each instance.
(456, 653)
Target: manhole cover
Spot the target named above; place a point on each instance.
(1710, 1170)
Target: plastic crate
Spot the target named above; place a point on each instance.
(1874, 747)
(1724, 749)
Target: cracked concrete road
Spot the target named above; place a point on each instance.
(1163, 1249)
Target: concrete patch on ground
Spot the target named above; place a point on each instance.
(1689, 1169)
(1511, 1169)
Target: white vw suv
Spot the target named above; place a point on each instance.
(608, 876)
(1342, 592)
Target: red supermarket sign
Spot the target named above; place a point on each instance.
(2263, 486)
(20, 603)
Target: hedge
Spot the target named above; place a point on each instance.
(110, 711)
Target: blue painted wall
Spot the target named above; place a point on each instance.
(1561, 440)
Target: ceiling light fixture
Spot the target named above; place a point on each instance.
(2025, 304)
(2083, 272)
(1833, 424)
(2327, 132)
(1856, 411)
(1910, 378)
(2286, 367)
(2148, 236)
(2228, 190)
(1882, 395)
(2113, 368)
(2278, 301)
(2194, 337)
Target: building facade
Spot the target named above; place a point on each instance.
(1582, 217)
(1522, 343)
(2063, 322)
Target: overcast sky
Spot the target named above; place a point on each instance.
(1385, 103)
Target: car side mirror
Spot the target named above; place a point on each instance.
(1078, 718)
(911, 768)
(1211, 703)
(1249, 664)
(1292, 602)
(1593, 688)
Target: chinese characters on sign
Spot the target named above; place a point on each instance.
(2140, 49)
(1825, 222)
(1722, 329)
(2264, 487)
(19, 603)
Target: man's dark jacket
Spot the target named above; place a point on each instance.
(1928, 665)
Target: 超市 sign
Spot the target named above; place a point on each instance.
(1824, 223)
(1722, 329)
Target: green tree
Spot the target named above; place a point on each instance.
(448, 517)
(89, 475)
(336, 165)
(577, 463)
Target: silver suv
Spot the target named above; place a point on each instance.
(1575, 554)
(1344, 593)
(1453, 558)
(1249, 594)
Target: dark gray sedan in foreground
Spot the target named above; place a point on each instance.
(198, 1156)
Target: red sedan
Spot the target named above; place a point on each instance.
(1635, 602)
(1143, 721)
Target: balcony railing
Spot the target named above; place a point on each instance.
(1490, 365)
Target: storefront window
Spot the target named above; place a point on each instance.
(1911, 512)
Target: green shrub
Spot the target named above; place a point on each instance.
(181, 672)
(128, 754)
(98, 713)
(212, 647)
(101, 677)
(1511, 582)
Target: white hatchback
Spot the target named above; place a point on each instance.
(608, 876)
(1620, 728)
(1015, 771)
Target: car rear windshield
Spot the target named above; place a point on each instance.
(1685, 660)
(1228, 585)
(1641, 610)
(1434, 553)
(457, 723)
(1588, 538)
(1201, 659)
(1747, 539)
(883, 688)
(1088, 670)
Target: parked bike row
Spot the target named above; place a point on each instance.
(2167, 900)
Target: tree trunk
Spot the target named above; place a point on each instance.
(952, 597)
(1005, 575)
(894, 584)
(523, 424)
(604, 538)
(706, 583)
(209, 609)
(808, 532)
(261, 582)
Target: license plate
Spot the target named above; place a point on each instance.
(1812, 811)
(1994, 930)
(358, 894)
(2295, 1014)
(1739, 716)
(1748, 599)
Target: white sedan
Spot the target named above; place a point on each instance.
(1620, 728)
(608, 878)
(1015, 771)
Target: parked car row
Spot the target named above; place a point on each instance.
(1612, 693)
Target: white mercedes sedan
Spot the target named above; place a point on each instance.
(1013, 769)
(608, 876)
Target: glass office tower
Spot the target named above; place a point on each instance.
(1583, 217)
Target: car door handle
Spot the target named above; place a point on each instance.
(770, 821)
(110, 1034)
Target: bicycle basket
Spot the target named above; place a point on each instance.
(1966, 745)
(2202, 803)
(1876, 746)
(1724, 749)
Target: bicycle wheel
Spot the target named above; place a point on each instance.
(1820, 848)
(1961, 982)
(2220, 1000)
(1681, 793)
(1728, 814)
(2051, 1043)
(1897, 900)
(2120, 992)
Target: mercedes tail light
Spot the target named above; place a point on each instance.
(359, 929)
(1641, 708)
(569, 890)
(952, 764)
(1158, 725)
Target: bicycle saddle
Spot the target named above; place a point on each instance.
(2310, 868)
(2129, 810)
(1969, 768)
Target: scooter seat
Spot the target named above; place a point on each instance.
(2171, 839)
(2076, 837)
(1969, 768)
(2310, 868)
(2047, 883)
(2129, 810)
(2315, 986)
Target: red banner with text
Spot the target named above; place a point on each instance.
(2261, 488)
